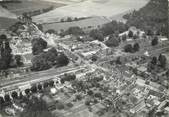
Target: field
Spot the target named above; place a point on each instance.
(93, 22)
(5, 13)
(88, 8)
(26, 6)
(6, 22)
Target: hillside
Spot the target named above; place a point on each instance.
(6, 14)
(89, 8)
(6, 18)
(30, 5)
(84, 24)
(151, 18)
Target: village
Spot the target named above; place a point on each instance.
(95, 67)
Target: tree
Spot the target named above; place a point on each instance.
(5, 52)
(70, 105)
(62, 60)
(51, 83)
(162, 61)
(36, 108)
(40, 27)
(39, 87)
(38, 45)
(7, 98)
(51, 31)
(90, 92)
(136, 47)
(118, 60)
(78, 97)
(51, 55)
(34, 89)
(113, 27)
(87, 103)
(68, 77)
(69, 19)
(112, 41)
(14, 95)
(154, 41)
(167, 74)
(97, 35)
(128, 48)
(94, 58)
(151, 65)
(135, 36)
(46, 60)
(62, 20)
(18, 59)
(154, 61)
(39, 63)
(27, 91)
(124, 37)
(98, 95)
(74, 31)
(130, 34)
(149, 32)
(2, 101)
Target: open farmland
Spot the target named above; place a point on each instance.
(85, 24)
(27, 5)
(88, 8)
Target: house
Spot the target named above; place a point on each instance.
(134, 30)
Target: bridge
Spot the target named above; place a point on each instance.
(35, 81)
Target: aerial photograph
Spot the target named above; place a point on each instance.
(84, 58)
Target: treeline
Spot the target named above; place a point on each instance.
(7, 60)
(10, 1)
(70, 19)
(152, 18)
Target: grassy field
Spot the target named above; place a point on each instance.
(6, 22)
(88, 8)
(26, 6)
(94, 22)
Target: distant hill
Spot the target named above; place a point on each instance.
(151, 18)
(29, 5)
(89, 8)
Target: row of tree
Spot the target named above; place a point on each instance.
(7, 60)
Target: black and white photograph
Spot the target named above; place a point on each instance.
(84, 58)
